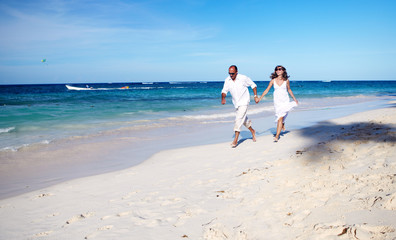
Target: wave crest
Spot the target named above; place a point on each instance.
(6, 130)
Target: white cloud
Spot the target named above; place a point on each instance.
(56, 28)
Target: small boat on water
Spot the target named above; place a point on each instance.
(78, 88)
(91, 88)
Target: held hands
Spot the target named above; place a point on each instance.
(258, 99)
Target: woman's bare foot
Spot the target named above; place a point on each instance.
(276, 139)
(233, 145)
(254, 135)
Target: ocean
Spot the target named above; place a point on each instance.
(40, 114)
(102, 127)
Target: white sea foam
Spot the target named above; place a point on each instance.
(6, 130)
(205, 117)
(27, 145)
(225, 115)
(145, 88)
(13, 148)
(221, 121)
(261, 110)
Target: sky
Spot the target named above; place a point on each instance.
(88, 41)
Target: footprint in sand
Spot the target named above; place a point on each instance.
(219, 231)
(78, 218)
(254, 175)
(122, 214)
(43, 234)
(187, 213)
(43, 195)
(204, 182)
(53, 214)
(129, 195)
(390, 204)
(105, 217)
(297, 217)
(228, 194)
(107, 227)
(170, 201)
(354, 231)
(104, 228)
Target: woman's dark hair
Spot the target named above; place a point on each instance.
(284, 75)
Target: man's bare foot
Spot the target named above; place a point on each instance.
(233, 145)
(254, 135)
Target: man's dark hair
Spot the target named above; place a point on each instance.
(236, 69)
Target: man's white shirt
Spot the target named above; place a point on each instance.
(238, 89)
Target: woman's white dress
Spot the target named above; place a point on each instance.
(282, 102)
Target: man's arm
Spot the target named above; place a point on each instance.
(223, 100)
(224, 92)
(255, 94)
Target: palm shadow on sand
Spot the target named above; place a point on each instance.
(330, 138)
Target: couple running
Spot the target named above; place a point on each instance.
(237, 85)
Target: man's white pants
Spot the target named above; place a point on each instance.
(241, 118)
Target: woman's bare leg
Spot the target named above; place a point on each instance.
(253, 133)
(278, 129)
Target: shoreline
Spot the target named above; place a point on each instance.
(69, 160)
(331, 180)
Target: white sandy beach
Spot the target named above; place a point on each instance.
(334, 180)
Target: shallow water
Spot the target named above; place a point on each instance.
(50, 134)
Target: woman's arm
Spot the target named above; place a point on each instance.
(290, 91)
(267, 90)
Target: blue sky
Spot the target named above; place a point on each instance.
(191, 40)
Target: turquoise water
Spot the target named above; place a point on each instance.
(49, 134)
(40, 114)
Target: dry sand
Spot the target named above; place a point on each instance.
(335, 180)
